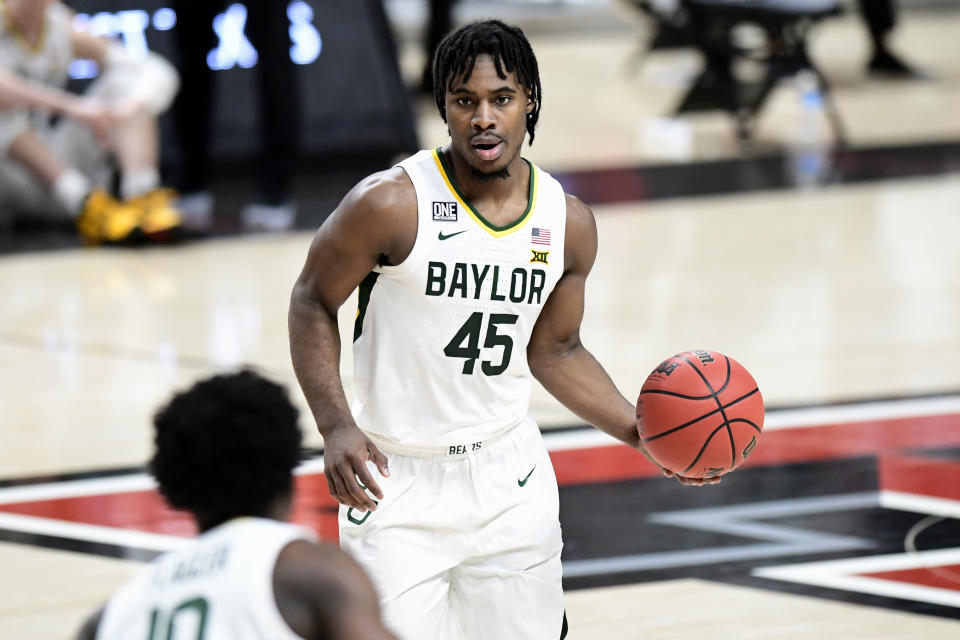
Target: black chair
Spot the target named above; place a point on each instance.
(709, 25)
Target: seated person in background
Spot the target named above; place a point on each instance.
(225, 451)
(62, 166)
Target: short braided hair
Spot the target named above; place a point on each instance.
(457, 54)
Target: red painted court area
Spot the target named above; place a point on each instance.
(891, 440)
(946, 577)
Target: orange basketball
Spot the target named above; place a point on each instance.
(700, 414)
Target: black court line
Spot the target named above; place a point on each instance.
(307, 453)
(120, 352)
(58, 543)
(769, 172)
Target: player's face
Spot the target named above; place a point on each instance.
(487, 117)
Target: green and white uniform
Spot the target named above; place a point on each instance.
(467, 537)
(218, 588)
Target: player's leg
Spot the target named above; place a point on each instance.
(408, 546)
(135, 146)
(36, 179)
(192, 108)
(502, 598)
(512, 585)
(278, 99)
(423, 611)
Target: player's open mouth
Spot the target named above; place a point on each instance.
(488, 149)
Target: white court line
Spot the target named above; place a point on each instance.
(92, 533)
(788, 419)
(555, 441)
(106, 486)
(853, 413)
(926, 505)
(75, 488)
(840, 574)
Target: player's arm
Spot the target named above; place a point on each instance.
(375, 223)
(89, 629)
(18, 92)
(322, 593)
(557, 357)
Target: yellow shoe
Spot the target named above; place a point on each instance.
(160, 220)
(105, 220)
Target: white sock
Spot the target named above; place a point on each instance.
(71, 189)
(137, 182)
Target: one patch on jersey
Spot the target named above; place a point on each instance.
(539, 256)
(445, 211)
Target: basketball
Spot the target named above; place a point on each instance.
(700, 414)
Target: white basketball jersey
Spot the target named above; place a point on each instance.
(219, 588)
(47, 63)
(44, 64)
(440, 342)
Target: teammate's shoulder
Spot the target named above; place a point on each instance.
(314, 564)
(60, 11)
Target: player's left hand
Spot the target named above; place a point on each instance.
(693, 482)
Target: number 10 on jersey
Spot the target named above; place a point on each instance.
(466, 342)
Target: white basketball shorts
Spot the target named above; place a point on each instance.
(467, 545)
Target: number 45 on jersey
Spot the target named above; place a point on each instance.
(466, 342)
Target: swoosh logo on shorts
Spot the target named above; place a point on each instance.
(526, 477)
(441, 235)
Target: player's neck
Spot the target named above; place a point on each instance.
(496, 189)
(26, 16)
(280, 510)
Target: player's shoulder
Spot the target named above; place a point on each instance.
(308, 564)
(315, 575)
(580, 246)
(577, 208)
(383, 192)
(580, 218)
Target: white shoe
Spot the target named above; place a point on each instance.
(265, 217)
(196, 210)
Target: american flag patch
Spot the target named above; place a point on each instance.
(540, 236)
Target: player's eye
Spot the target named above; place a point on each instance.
(463, 102)
(503, 100)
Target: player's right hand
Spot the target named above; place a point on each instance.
(346, 451)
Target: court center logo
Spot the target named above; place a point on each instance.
(445, 211)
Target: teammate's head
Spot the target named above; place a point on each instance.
(510, 52)
(226, 447)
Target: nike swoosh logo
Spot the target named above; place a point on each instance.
(526, 477)
(441, 235)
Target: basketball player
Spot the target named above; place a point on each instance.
(471, 264)
(62, 168)
(225, 451)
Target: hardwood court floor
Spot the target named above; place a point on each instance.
(844, 302)
(841, 294)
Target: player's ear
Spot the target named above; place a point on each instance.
(529, 103)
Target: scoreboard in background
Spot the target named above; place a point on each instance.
(352, 98)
